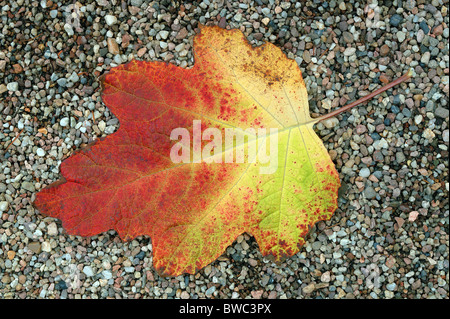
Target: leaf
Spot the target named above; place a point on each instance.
(193, 211)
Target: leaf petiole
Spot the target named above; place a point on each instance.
(367, 97)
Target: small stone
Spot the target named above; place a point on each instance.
(182, 34)
(445, 136)
(28, 186)
(87, 270)
(438, 30)
(40, 152)
(330, 123)
(45, 246)
(265, 21)
(425, 57)
(110, 19)
(395, 20)
(184, 295)
(52, 229)
(210, 291)
(369, 192)
(306, 56)
(364, 172)
(326, 277)
(400, 157)
(360, 129)
(418, 119)
(428, 134)
(64, 121)
(424, 26)
(4, 206)
(441, 112)
(391, 286)
(401, 36)
(35, 247)
(349, 51)
(348, 37)
(12, 86)
(309, 289)
(17, 68)
(68, 29)
(113, 47)
(222, 23)
(11, 254)
(62, 82)
(163, 34)
(384, 50)
(141, 51)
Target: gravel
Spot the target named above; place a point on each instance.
(389, 237)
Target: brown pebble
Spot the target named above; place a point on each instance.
(113, 47)
(141, 52)
(35, 247)
(384, 50)
(438, 30)
(384, 79)
(17, 68)
(11, 254)
(223, 22)
(182, 34)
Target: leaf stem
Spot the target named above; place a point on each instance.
(367, 97)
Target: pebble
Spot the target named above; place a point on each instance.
(88, 271)
(40, 152)
(364, 172)
(395, 20)
(369, 192)
(64, 121)
(349, 51)
(110, 19)
(35, 247)
(401, 36)
(4, 206)
(442, 112)
(113, 47)
(12, 86)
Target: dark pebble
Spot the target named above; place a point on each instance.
(395, 109)
(395, 20)
(406, 112)
(424, 26)
(61, 285)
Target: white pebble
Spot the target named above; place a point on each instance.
(418, 119)
(349, 51)
(331, 122)
(12, 86)
(52, 229)
(64, 121)
(88, 271)
(40, 152)
(110, 19)
(3, 206)
(45, 246)
(364, 172)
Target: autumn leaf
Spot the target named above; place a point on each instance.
(129, 182)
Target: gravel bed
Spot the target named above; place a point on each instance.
(388, 239)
